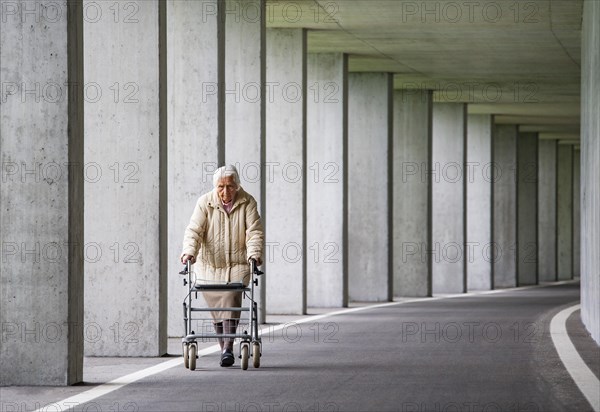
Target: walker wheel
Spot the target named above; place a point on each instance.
(192, 356)
(185, 356)
(244, 357)
(256, 354)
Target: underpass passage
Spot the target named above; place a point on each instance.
(489, 352)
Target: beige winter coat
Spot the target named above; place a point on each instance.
(221, 243)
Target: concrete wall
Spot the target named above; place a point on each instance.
(412, 192)
(527, 208)
(285, 174)
(564, 207)
(41, 273)
(576, 212)
(369, 194)
(547, 210)
(590, 168)
(125, 194)
(448, 198)
(327, 195)
(504, 206)
(479, 198)
(194, 142)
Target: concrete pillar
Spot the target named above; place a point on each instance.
(564, 207)
(527, 207)
(547, 210)
(125, 195)
(245, 71)
(412, 192)
(504, 206)
(195, 142)
(244, 83)
(41, 131)
(369, 186)
(590, 168)
(327, 195)
(448, 196)
(479, 201)
(285, 177)
(576, 212)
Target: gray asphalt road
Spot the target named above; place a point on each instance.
(487, 353)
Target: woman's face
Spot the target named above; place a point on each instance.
(226, 188)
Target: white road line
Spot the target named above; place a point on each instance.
(118, 383)
(584, 378)
(108, 387)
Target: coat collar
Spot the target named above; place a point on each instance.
(215, 202)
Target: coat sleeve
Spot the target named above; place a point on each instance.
(194, 231)
(254, 232)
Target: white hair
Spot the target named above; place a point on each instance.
(225, 171)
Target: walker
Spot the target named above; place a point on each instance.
(250, 344)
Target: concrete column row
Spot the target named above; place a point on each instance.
(505, 174)
(502, 247)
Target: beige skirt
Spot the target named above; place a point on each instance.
(223, 300)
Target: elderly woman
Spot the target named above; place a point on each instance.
(226, 229)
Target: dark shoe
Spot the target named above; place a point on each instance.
(227, 359)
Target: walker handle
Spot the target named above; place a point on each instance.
(254, 267)
(187, 268)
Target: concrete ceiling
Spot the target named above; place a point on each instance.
(518, 59)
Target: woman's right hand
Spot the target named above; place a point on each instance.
(185, 258)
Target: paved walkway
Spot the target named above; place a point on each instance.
(488, 352)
